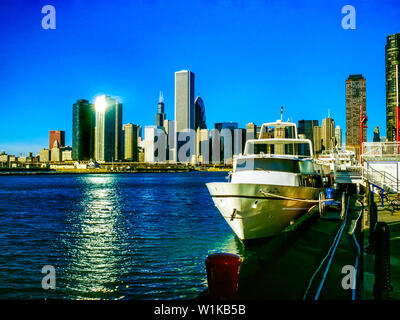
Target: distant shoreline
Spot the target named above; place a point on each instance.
(38, 171)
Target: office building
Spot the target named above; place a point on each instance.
(203, 146)
(305, 128)
(338, 136)
(317, 134)
(356, 102)
(58, 135)
(130, 142)
(44, 155)
(184, 112)
(83, 128)
(200, 114)
(169, 127)
(239, 141)
(226, 131)
(155, 144)
(377, 137)
(108, 131)
(328, 134)
(55, 152)
(392, 64)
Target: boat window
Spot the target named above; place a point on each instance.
(300, 149)
(268, 164)
(280, 131)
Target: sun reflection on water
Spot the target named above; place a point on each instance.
(93, 245)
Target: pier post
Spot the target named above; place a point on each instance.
(223, 275)
(382, 261)
(373, 219)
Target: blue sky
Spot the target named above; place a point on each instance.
(249, 58)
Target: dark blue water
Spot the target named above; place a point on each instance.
(120, 236)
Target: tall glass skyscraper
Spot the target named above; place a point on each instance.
(83, 122)
(108, 132)
(392, 59)
(200, 114)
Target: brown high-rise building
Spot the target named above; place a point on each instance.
(392, 63)
(355, 102)
(58, 135)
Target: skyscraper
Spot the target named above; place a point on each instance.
(184, 112)
(317, 142)
(328, 134)
(338, 136)
(306, 127)
(58, 135)
(130, 142)
(108, 132)
(160, 115)
(377, 137)
(200, 114)
(83, 123)
(392, 62)
(226, 131)
(355, 101)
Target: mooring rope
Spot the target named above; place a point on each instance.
(294, 199)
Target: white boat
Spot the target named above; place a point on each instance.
(272, 183)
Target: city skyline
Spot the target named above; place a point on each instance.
(252, 91)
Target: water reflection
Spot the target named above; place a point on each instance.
(93, 239)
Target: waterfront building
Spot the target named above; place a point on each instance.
(200, 114)
(55, 152)
(130, 142)
(58, 135)
(44, 155)
(392, 65)
(108, 131)
(160, 115)
(355, 99)
(4, 159)
(155, 144)
(328, 134)
(66, 154)
(184, 112)
(83, 130)
(338, 136)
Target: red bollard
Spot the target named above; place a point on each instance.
(223, 275)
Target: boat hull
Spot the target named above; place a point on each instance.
(256, 211)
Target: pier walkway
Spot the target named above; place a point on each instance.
(305, 261)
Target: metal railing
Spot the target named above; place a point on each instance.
(381, 149)
(380, 178)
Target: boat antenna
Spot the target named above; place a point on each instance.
(281, 113)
